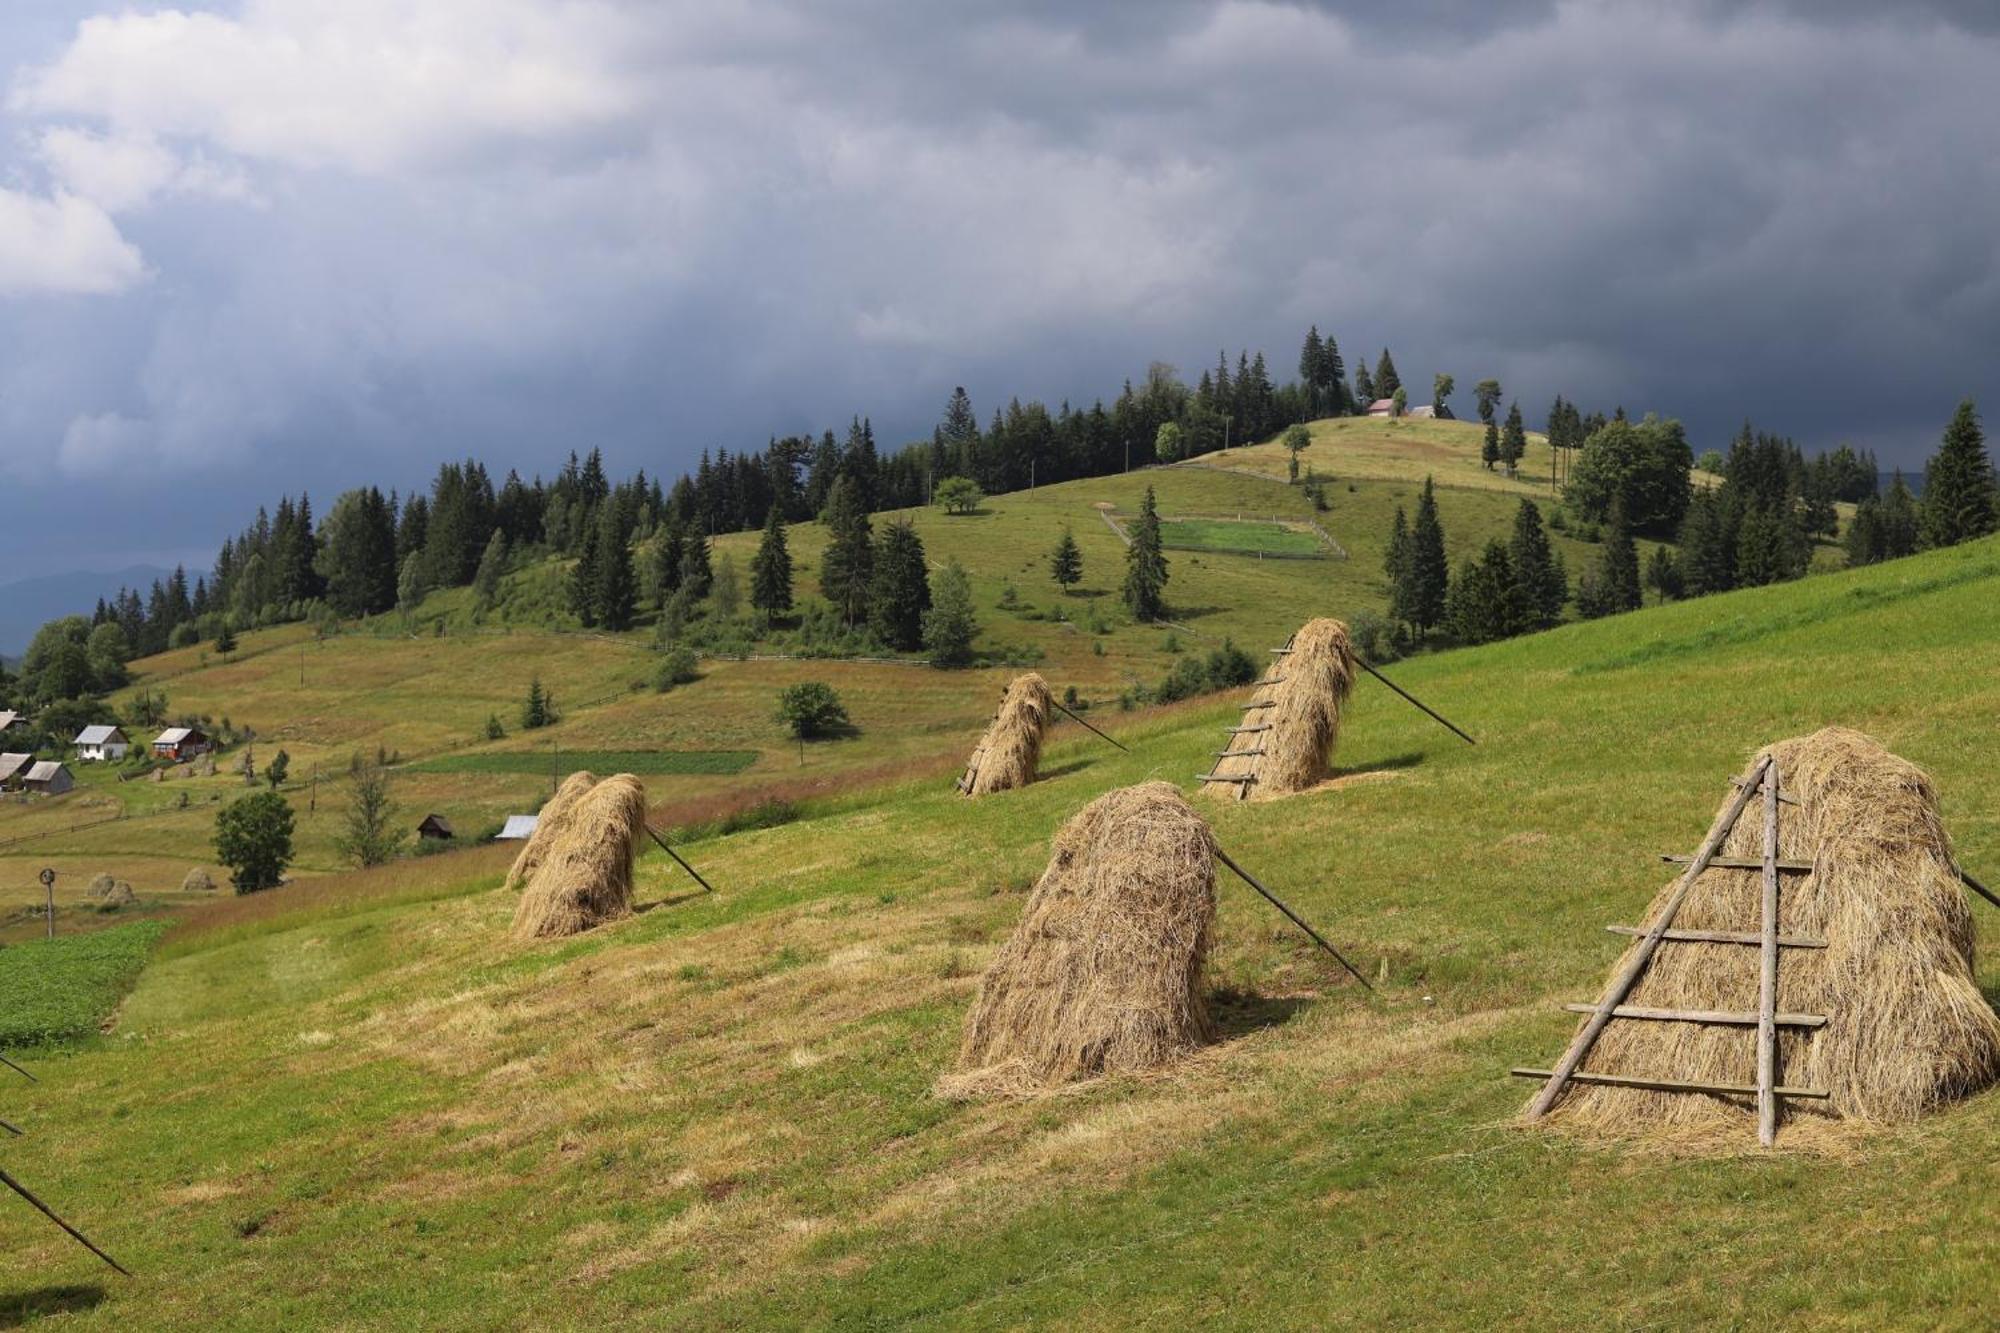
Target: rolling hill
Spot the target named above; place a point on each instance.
(357, 1102)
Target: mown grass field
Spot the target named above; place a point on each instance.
(1245, 536)
(646, 763)
(364, 1106)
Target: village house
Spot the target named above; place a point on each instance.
(181, 744)
(96, 745)
(1382, 407)
(49, 777)
(434, 826)
(13, 768)
(10, 720)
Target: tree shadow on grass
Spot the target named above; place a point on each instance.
(1239, 1013)
(18, 1308)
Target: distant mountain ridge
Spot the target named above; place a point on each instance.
(28, 604)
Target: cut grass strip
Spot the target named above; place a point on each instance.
(644, 762)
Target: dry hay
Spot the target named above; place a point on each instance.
(100, 886)
(1907, 1028)
(1104, 973)
(198, 881)
(1006, 755)
(1300, 705)
(585, 876)
(550, 827)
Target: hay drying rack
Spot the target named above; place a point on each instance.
(1765, 1018)
(971, 774)
(1253, 727)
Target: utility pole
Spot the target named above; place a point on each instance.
(49, 884)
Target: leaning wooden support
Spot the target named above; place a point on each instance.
(1435, 715)
(1642, 953)
(1297, 920)
(1743, 863)
(1767, 984)
(1726, 937)
(17, 1069)
(1741, 1018)
(10, 1129)
(678, 857)
(49, 1213)
(1085, 725)
(1979, 888)
(1673, 1084)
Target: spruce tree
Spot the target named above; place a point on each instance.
(1396, 568)
(1901, 522)
(1663, 574)
(225, 640)
(848, 567)
(1537, 568)
(486, 580)
(1486, 601)
(585, 578)
(1708, 552)
(1486, 396)
(1386, 379)
(1864, 534)
(696, 572)
(1066, 561)
(1146, 564)
(1429, 575)
(1364, 387)
(1311, 372)
(899, 591)
(669, 545)
(1959, 493)
(771, 569)
(616, 588)
(1513, 439)
(1489, 450)
(1618, 569)
(949, 625)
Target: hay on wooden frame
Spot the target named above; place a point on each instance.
(1301, 714)
(549, 826)
(1907, 1027)
(1007, 754)
(1103, 974)
(585, 878)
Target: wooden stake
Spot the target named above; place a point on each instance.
(677, 856)
(1767, 985)
(17, 1069)
(1085, 725)
(1642, 954)
(1979, 888)
(1437, 716)
(49, 1213)
(1297, 920)
(1672, 1084)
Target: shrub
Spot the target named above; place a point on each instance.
(810, 709)
(1375, 638)
(253, 837)
(1226, 667)
(677, 667)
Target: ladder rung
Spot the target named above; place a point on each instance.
(1237, 754)
(1725, 937)
(1279, 652)
(1274, 680)
(1720, 1017)
(1214, 777)
(1785, 798)
(1244, 731)
(1673, 1084)
(1260, 703)
(1741, 863)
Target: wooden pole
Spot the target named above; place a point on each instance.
(1642, 953)
(1767, 984)
(1363, 664)
(10, 1129)
(49, 1213)
(1979, 888)
(1085, 725)
(17, 1069)
(1297, 920)
(677, 856)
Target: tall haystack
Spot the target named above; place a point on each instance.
(1290, 726)
(1007, 754)
(585, 877)
(1104, 973)
(1906, 1027)
(550, 827)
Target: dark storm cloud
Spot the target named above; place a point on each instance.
(232, 264)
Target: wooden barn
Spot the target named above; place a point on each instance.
(181, 744)
(13, 769)
(435, 827)
(49, 777)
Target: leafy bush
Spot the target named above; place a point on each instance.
(677, 667)
(810, 709)
(253, 837)
(1226, 667)
(1375, 638)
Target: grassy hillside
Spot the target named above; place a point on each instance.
(421, 689)
(358, 1103)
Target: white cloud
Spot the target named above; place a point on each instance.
(127, 171)
(106, 445)
(62, 244)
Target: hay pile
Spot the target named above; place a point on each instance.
(198, 881)
(1907, 1027)
(584, 874)
(550, 827)
(1299, 717)
(1104, 973)
(100, 886)
(1007, 754)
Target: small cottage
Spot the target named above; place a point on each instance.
(49, 777)
(181, 744)
(10, 720)
(13, 768)
(435, 827)
(97, 745)
(518, 828)
(1382, 407)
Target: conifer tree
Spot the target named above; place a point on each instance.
(1618, 569)
(1146, 564)
(1489, 449)
(949, 625)
(1364, 387)
(899, 590)
(1663, 574)
(1396, 567)
(616, 588)
(225, 640)
(1864, 534)
(696, 572)
(1486, 601)
(1486, 396)
(669, 546)
(1429, 575)
(586, 578)
(1311, 371)
(1386, 379)
(1066, 561)
(1538, 569)
(1959, 493)
(848, 567)
(1513, 439)
(1901, 522)
(771, 568)
(486, 580)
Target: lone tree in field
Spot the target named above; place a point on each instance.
(1489, 449)
(959, 495)
(771, 568)
(225, 640)
(539, 710)
(1066, 562)
(1959, 500)
(810, 709)
(279, 767)
(1513, 438)
(900, 592)
(1441, 389)
(1167, 442)
(368, 839)
(949, 625)
(1146, 564)
(1486, 395)
(253, 837)
(1296, 439)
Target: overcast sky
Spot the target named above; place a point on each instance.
(248, 247)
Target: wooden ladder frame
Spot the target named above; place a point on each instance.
(1244, 781)
(1766, 1019)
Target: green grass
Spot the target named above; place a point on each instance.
(644, 762)
(1246, 537)
(61, 990)
(381, 1111)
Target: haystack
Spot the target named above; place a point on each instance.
(1906, 1026)
(1104, 973)
(1292, 723)
(198, 881)
(550, 827)
(585, 875)
(1007, 754)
